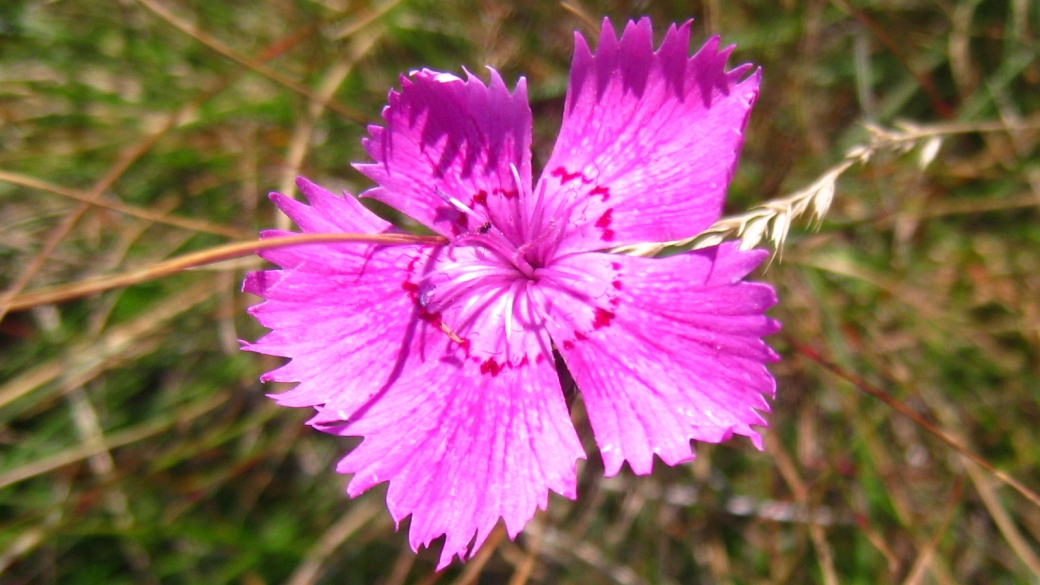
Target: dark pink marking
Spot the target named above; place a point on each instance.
(568, 344)
(539, 358)
(605, 219)
(614, 302)
(490, 366)
(523, 362)
(615, 265)
(412, 263)
(601, 190)
(564, 176)
(580, 336)
(480, 197)
(433, 318)
(617, 284)
(608, 236)
(507, 194)
(603, 318)
(410, 287)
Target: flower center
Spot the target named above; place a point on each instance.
(526, 257)
(505, 243)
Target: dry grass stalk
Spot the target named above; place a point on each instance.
(310, 570)
(212, 255)
(131, 210)
(86, 360)
(113, 441)
(304, 130)
(935, 430)
(801, 491)
(256, 65)
(772, 220)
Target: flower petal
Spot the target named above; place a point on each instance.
(329, 213)
(464, 438)
(666, 350)
(463, 446)
(649, 140)
(336, 309)
(448, 138)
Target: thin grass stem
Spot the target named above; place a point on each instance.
(75, 290)
(955, 443)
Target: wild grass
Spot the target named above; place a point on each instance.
(137, 446)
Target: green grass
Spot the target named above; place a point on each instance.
(140, 447)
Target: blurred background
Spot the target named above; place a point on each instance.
(137, 446)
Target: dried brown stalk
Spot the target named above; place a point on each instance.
(908, 412)
(146, 214)
(251, 64)
(309, 570)
(131, 435)
(91, 286)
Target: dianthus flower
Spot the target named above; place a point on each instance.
(442, 357)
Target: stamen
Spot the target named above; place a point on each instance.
(510, 298)
(495, 245)
(522, 201)
(475, 305)
(545, 234)
(537, 211)
(461, 281)
(520, 187)
(457, 204)
(570, 283)
(465, 210)
(451, 335)
(558, 219)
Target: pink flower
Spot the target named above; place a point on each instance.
(442, 358)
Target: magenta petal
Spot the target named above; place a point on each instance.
(328, 213)
(445, 137)
(335, 309)
(670, 351)
(466, 434)
(649, 140)
(463, 447)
